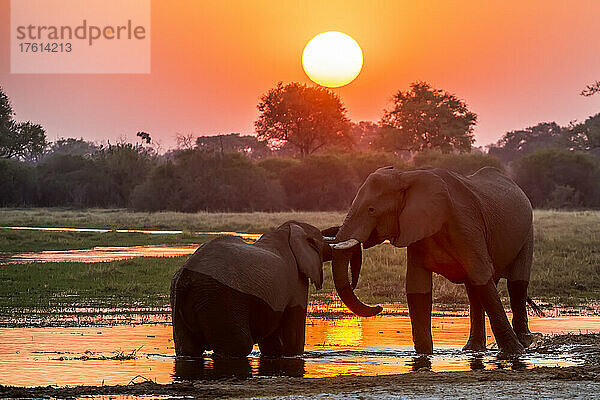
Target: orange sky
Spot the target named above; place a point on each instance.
(516, 63)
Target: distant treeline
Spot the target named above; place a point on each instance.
(306, 155)
(78, 174)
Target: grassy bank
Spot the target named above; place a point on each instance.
(123, 219)
(566, 262)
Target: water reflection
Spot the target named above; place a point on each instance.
(101, 254)
(343, 346)
(420, 363)
(241, 368)
(476, 362)
(111, 253)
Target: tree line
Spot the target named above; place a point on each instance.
(307, 155)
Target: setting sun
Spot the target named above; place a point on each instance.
(332, 59)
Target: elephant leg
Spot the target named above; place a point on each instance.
(288, 339)
(419, 308)
(418, 297)
(517, 291)
(477, 337)
(187, 336)
(293, 327)
(505, 336)
(272, 345)
(223, 315)
(518, 281)
(187, 343)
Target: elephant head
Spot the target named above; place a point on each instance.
(310, 249)
(402, 207)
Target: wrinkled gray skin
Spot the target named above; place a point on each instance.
(472, 230)
(230, 295)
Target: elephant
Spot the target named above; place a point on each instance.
(230, 295)
(471, 229)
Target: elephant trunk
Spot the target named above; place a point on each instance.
(341, 258)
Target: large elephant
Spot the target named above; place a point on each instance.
(230, 295)
(471, 229)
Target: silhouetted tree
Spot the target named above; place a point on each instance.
(233, 143)
(185, 142)
(559, 178)
(583, 136)
(364, 135)
(426, 118)
(308, 117)
(144, 136)
(72, 146)
(524, 141)
(591, 89)
(24, 139)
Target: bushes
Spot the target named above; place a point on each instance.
(557, 178)
(319, 182)
(199, 181)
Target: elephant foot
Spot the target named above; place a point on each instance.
(475, 345)
(511, 347)
(526, 338)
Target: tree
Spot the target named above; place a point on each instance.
(185, 142)
(590, 90)
(427, 118)
(524, 141)
(364, 135)
(233, 143)
(308, 117)
(584, 136)
(144, 136)
(25, 139)
(559, 178)
(72, 146)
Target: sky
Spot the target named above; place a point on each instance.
(515, 63)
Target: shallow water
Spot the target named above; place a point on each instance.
(349, 345)
(243, 235)
(101, 254)
(112, 253)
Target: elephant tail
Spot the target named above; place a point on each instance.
(536, 309)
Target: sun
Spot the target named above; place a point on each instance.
(332, 59)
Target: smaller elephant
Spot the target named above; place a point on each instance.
(230, 295)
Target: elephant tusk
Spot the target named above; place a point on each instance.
(345, 244)
(329, 238)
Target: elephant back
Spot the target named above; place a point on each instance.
(246, 268)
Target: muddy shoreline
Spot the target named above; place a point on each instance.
(280, 386)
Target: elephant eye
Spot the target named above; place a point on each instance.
(371, 210)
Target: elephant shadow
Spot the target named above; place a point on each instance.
(186, 369)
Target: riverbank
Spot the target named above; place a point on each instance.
(566, 262)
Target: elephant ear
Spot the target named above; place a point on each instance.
(307, 255)
(426, 206)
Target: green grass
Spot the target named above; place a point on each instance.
(136, 282)
(566, 261)
(122, 219)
